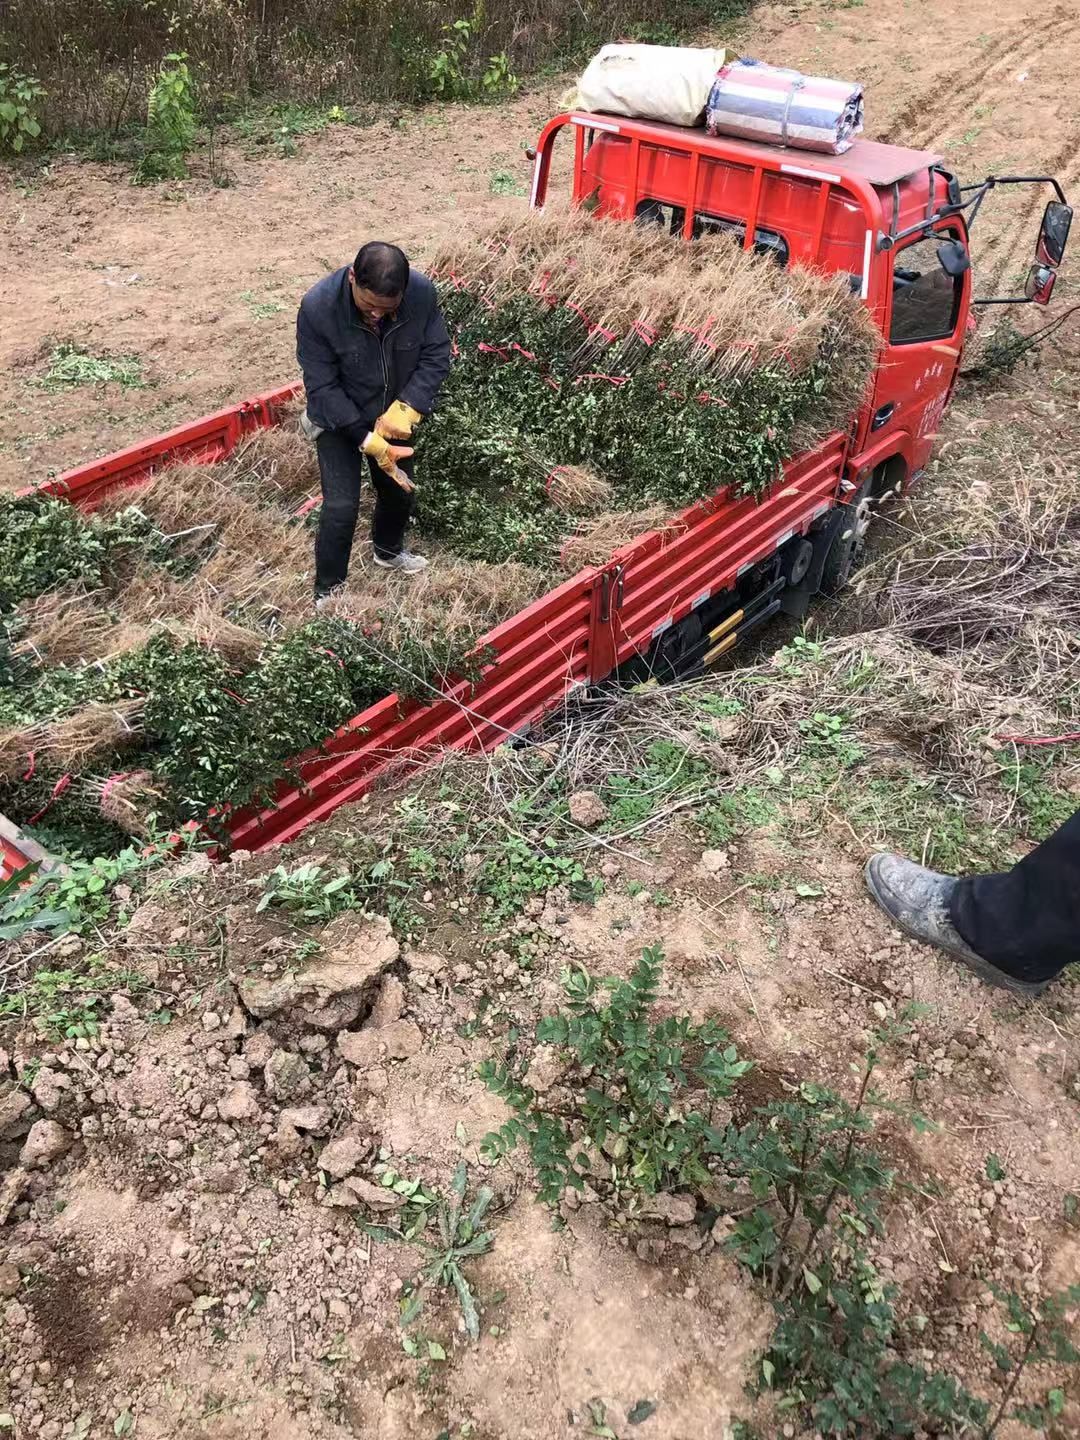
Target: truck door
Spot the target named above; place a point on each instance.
(928, 310)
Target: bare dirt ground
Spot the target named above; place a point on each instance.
(202, 283)
(178, 1259)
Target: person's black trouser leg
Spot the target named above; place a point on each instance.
(1027, 920)
(341, 468)
(393, 506)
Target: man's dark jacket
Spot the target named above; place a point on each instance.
(352, 373)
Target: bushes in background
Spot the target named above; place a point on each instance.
(98, 62)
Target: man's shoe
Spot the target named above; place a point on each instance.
(917, 900)
(404, 560)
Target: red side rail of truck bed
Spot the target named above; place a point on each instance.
(575, 635)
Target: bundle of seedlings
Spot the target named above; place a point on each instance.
(656, 371)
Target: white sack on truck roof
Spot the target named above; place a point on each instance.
(754, 101)
(650, 82)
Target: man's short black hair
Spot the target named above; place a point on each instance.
(381, 268)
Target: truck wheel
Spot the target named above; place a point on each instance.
(846, 550)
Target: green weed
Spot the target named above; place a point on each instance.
(313, 892)
(260, 309)
(1045, 808)
(733, 815)
(68, 1004)
(505, 182)
(456, 71)
(667, 771)
(459, 1238)
(517, 871)
(19, 96)
(71, 365)
(72, 900)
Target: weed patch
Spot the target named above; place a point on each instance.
(458, 1237)
(71, 365)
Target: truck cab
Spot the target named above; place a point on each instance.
(891, 220)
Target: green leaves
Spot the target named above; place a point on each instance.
(19, 95)
(632, 1094)
(170, 122)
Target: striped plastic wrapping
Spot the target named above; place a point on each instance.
(754, 101)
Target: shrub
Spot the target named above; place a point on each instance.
(454, 72)
(170, 122)
(639, 1092)
(19, 96)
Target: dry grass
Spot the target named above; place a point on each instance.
(578, 489)
(998, 594)
(597, 538)
(738, 308)
(73, 741)
(65, 626)
(257, 560)
(456, 599)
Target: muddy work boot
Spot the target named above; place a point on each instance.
(404, 560)
(917, 900)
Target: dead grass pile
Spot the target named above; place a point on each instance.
(633, 280)
(998, 594)
(578, 489)
(598, 538)
(71, 742)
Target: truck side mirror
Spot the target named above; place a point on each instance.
(1053, 234)
(953, 258)
(1039, 285)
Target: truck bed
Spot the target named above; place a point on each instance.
(574, 636)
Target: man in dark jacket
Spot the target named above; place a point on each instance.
(374, 351)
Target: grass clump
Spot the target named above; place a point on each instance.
(71, 365)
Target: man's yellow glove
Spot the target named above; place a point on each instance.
(386, 457)
(398, 422)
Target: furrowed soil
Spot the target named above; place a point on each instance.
(179, 1252)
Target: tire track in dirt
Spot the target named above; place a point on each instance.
(1020, 48)
(905, 128)
(1011, 249)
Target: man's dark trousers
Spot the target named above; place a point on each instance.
(341, 469)
(1027, 920)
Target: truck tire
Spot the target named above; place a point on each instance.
(846, 550)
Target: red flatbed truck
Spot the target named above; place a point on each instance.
(673, 600)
